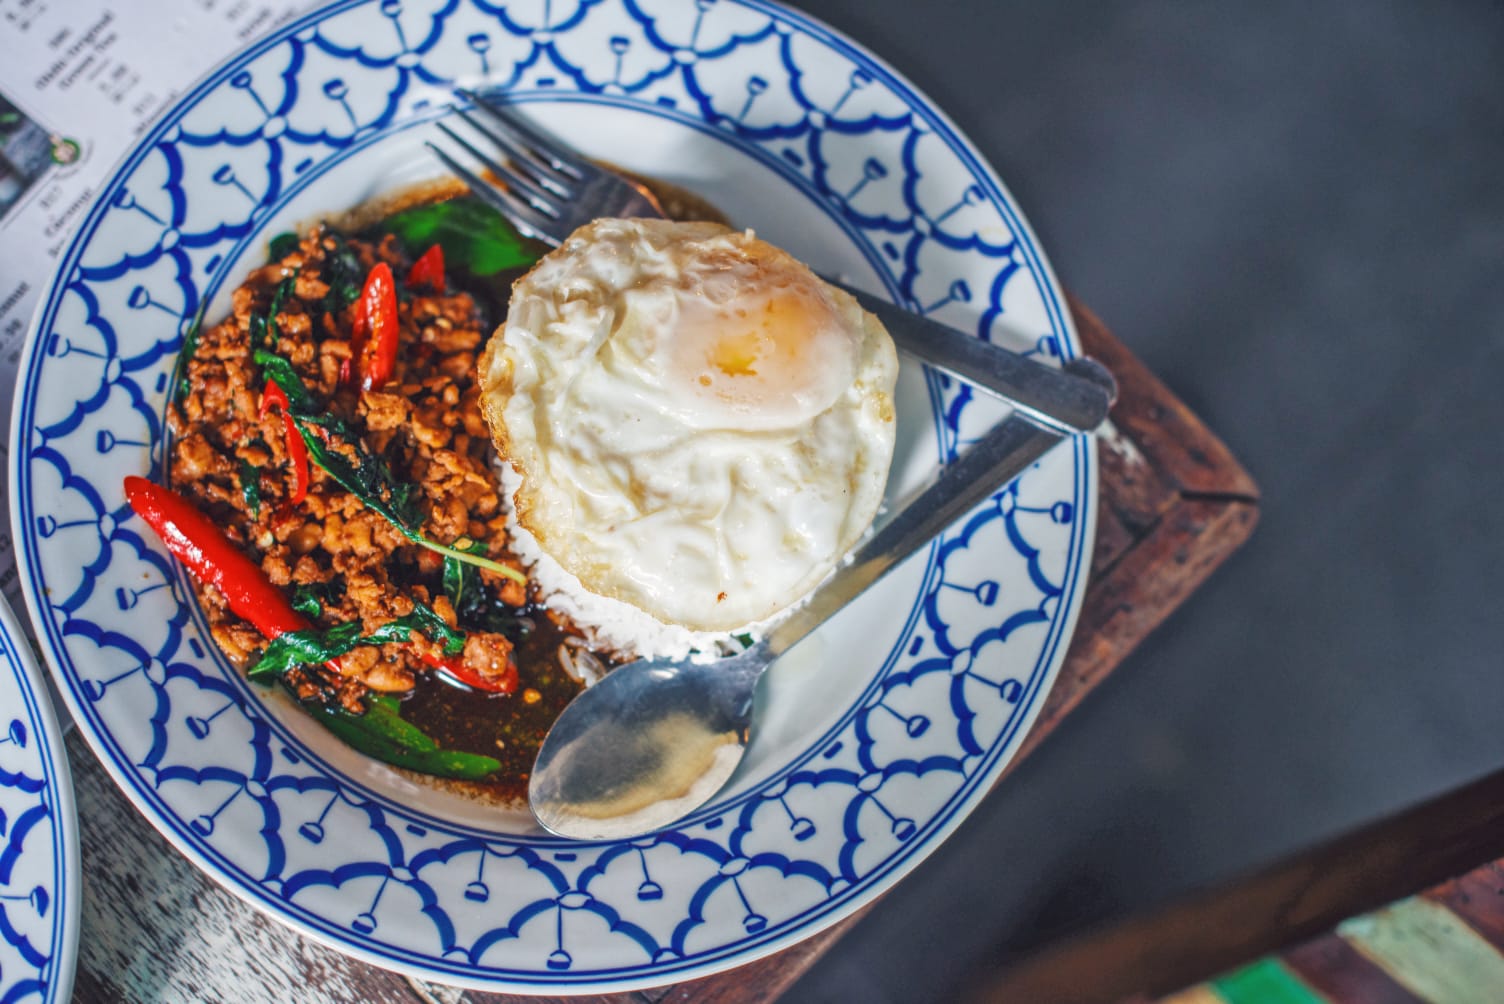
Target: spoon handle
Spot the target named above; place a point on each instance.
(994, 460)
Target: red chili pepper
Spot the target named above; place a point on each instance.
(273, 396)
(357, 343)
(506, 683)
(212, 558)
(378, 305)
(428, 270)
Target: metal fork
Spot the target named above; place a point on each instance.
(547, 190)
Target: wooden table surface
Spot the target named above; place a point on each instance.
(1387, 914)
(1443, 945)
(1174, 505)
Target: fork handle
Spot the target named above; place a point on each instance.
(1073, 399)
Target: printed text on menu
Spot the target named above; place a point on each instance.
(79, 81)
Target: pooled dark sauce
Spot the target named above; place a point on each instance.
(508, 728)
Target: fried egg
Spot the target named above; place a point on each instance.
(699, 427)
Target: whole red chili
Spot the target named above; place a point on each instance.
(212, 558)
(428, 270)
(273, 396)
(378, 307)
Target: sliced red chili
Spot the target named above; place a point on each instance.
(506, 683)
(273, 396)
(348, 368)
(428, 270)
(378, 305)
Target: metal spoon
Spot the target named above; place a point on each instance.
(654, 740)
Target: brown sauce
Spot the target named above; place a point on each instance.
(510, 729)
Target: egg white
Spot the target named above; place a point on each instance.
(702, 427)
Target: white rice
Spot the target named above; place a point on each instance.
(610, 624)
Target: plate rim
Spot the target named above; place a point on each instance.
(32, 681)
(838, 907)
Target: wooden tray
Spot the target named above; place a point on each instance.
(1175, 504)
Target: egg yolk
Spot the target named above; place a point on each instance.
(736, 355)
(782, 356)
(770, 335)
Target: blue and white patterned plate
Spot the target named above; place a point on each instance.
(875, 738)
(39, 878)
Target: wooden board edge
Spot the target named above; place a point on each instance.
(487, 997)
(1171, 437)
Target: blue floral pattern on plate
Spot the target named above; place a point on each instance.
(38, 833)
(944, 665)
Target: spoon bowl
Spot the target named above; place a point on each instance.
(649, 743)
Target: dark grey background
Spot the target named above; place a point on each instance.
(1294, 213)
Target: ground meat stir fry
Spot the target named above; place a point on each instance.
(235, 456)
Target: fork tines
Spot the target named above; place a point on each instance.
(547, 188)
(519, 137)
(524, 216)
(516, 175)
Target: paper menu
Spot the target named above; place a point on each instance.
(79, 81)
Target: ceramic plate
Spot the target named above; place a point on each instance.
(876, 737)
(38, 832)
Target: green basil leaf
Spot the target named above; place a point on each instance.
(431, 624)
(456, 575)
(312, 646)
(304, 648)
(257, 328)
(281, 246)
(250, 486)
(425, 620)
(484, 611)
(381, 733)
(342, 274)
(367, 476)
(311, 598)
(474, 236)
(280, 372)
(460, 580)
(263, 324)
